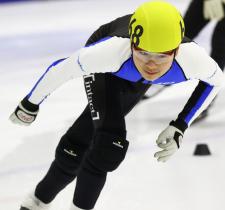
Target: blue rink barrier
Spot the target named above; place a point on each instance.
(9, 1)
(15, 1)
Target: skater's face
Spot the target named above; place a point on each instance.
(152, 65)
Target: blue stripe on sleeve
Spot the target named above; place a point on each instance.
(199, 103)
(53, 64)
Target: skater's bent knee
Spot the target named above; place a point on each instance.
(69, 155)
(108, 151)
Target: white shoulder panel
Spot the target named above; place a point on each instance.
(106, 56)
(197, 64)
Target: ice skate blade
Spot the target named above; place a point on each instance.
(23, 208)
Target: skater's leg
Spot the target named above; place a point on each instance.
(218, 44)
(109, 144)
(194, 19)
(69, 154)
(194, 23)
(218, 54)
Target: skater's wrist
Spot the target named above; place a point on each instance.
(179, 124)
(29, 106)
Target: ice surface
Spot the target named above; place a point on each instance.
(35, 34)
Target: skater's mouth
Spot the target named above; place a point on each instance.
(151, 72)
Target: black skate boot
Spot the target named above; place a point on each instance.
(23, 208)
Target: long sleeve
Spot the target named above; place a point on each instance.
(211, 80)
(56, 74)
(105, 56)
(201, 97)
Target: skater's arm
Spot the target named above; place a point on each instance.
(106, 56)
(170, 139)
(200, 99)
(201, 67)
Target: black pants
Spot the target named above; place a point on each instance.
(85, 151)
(194, 22)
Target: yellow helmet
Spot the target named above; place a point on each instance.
(156, 26)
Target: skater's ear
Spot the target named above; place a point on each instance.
(176, 51)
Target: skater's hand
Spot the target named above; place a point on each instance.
(25, 113)
(169, 141)
(213, 9)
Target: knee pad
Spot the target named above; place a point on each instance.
(69, 155)
(107, 151)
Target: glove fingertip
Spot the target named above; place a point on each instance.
(163, 159)
(156, 155)
(160, 160)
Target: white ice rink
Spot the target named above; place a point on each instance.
(32, 36)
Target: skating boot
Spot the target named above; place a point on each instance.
(33, 203)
